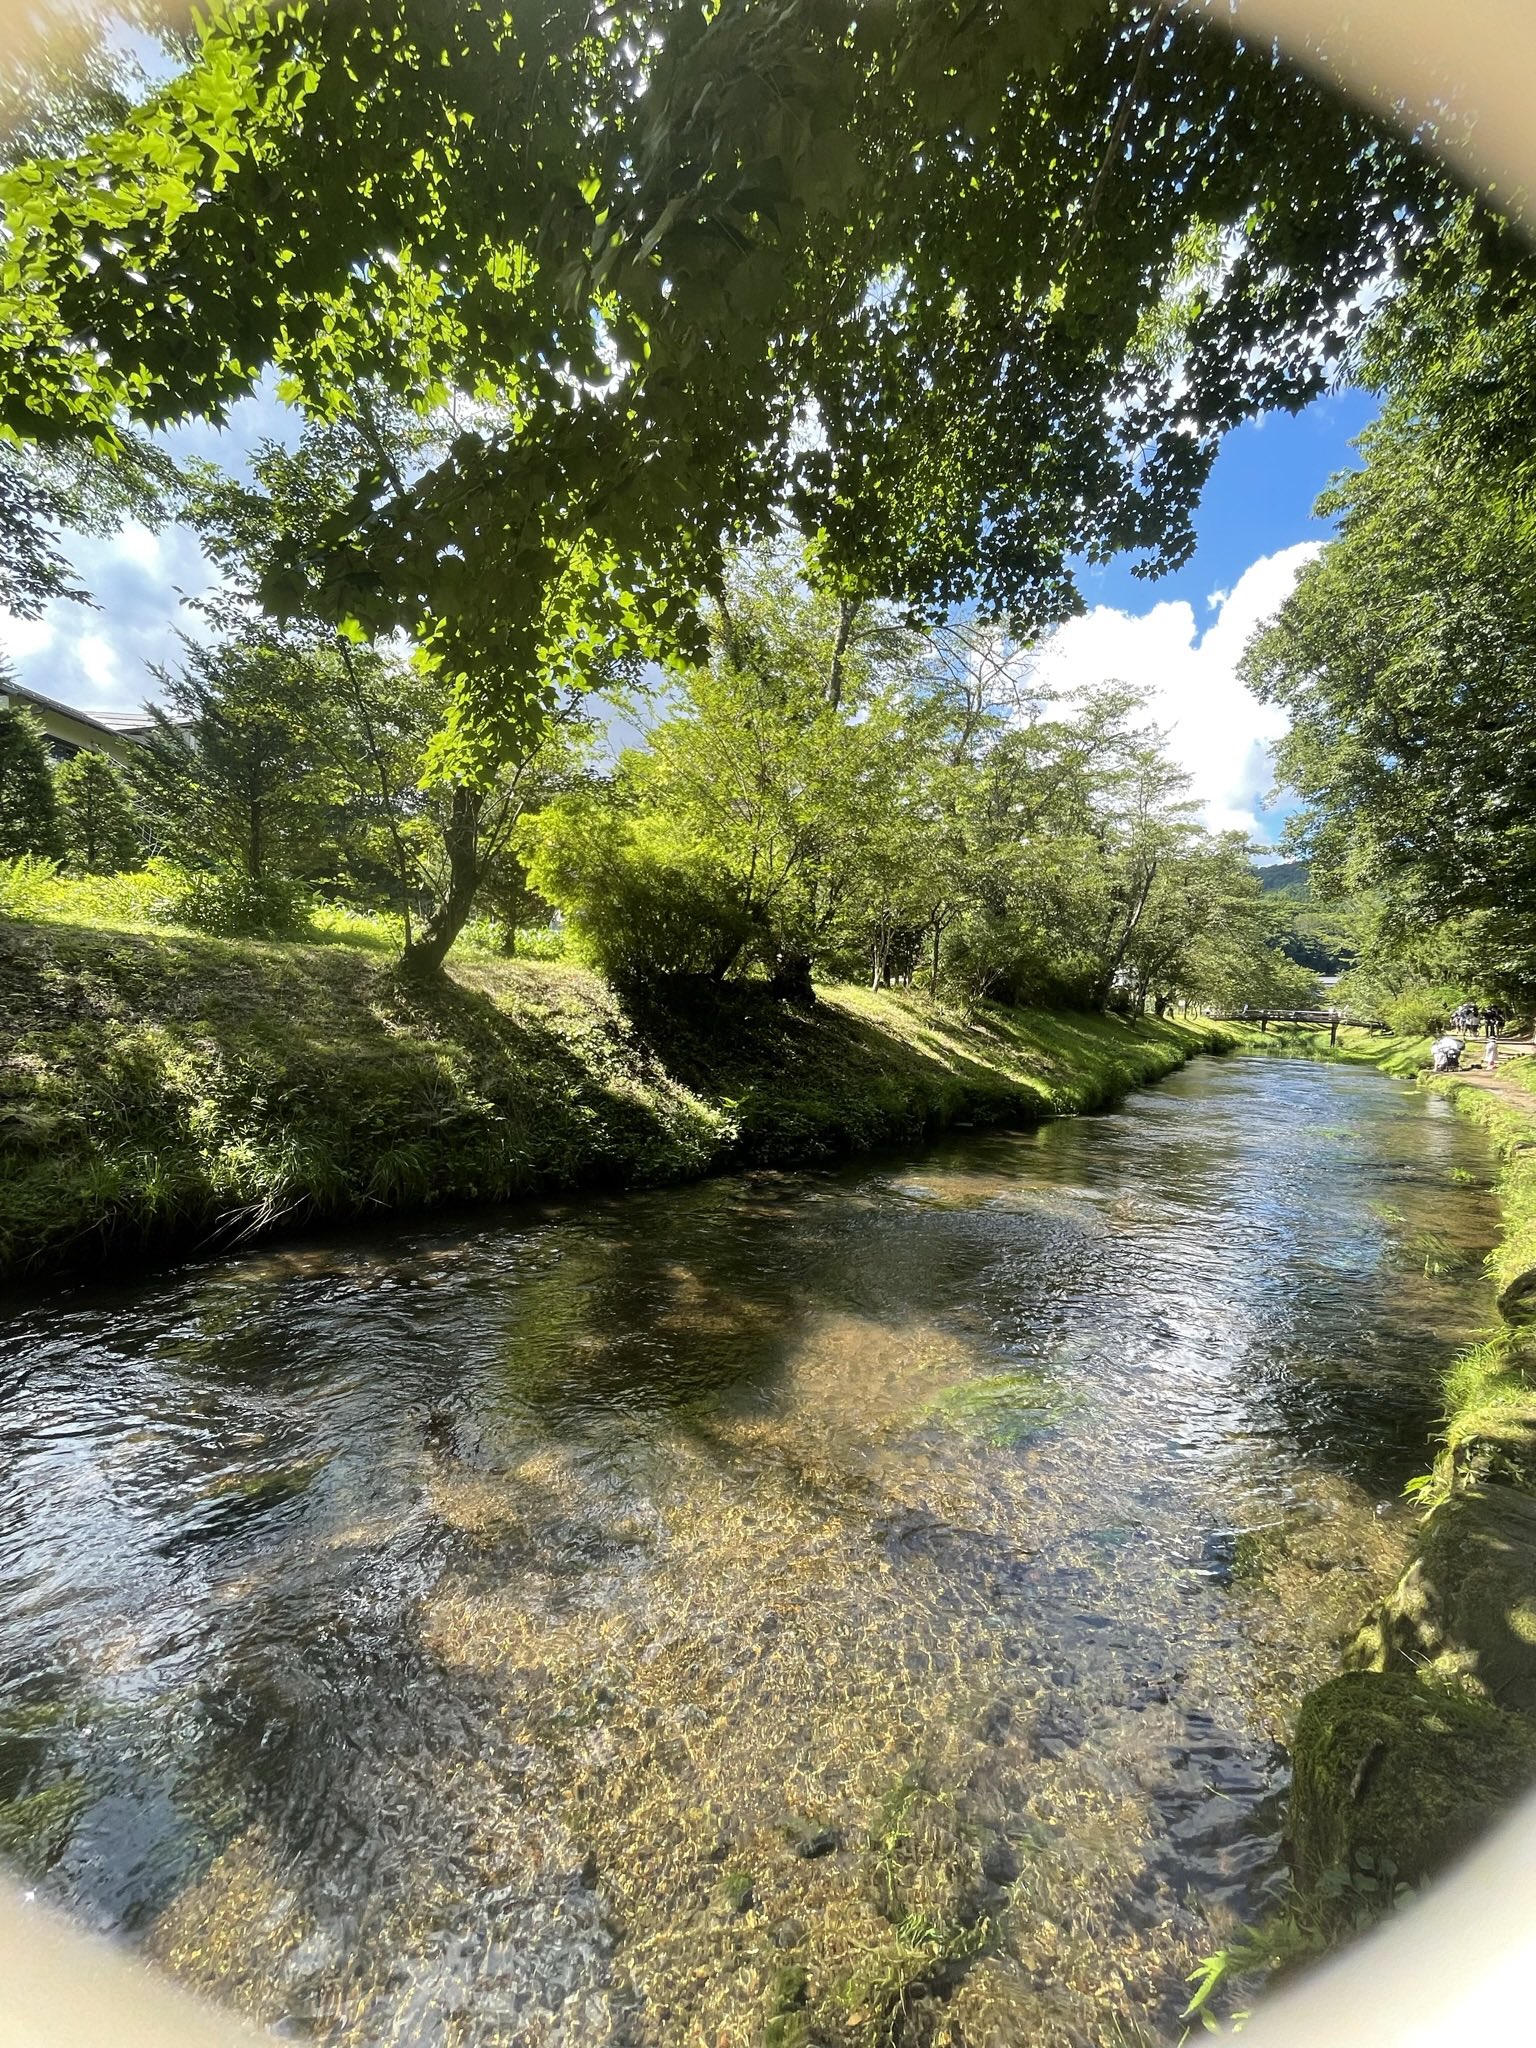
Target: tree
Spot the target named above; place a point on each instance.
(442, 833)
(99, 832)
(1406, 653)
(29, 817)
(662, 238)
(741, 834)
(227, 776)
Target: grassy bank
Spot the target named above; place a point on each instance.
(1490, 1419)
(168, 1092)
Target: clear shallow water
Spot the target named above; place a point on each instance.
(877, 1597)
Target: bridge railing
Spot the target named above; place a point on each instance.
(1254, 1012)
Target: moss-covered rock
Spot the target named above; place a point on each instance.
(1496, 1439)
(1465, 1609)
(1399, 1774)
(1517, 1297)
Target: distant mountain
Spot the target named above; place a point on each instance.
(1290, 875)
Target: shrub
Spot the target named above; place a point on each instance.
(548, 942)
(35, 888)
(641, 906)
(240, 907)
(1420, 1014)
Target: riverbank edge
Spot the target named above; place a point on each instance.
(1401, 1761)
(164, 1096)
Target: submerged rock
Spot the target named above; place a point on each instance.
(812, 1842)
(1466, 1607)
(1399, 1775)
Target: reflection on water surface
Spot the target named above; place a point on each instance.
(857, 1607)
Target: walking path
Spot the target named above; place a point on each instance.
(1500, 1080)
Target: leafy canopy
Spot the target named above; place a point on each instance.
(905, 272)
(1406, 653)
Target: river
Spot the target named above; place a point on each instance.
(858, 1606)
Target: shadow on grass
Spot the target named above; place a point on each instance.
(190, 1093)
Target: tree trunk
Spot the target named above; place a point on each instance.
(1106, 982)
(791, 981)
(424, 955)
(848, 610)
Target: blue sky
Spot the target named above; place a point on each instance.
(1178, 638)
(1259, 499)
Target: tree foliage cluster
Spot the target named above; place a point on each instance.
(965, 290)
(80, 813)
(848, 797)
(1407, 653)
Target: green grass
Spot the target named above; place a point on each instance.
(39, 892)
(168, 1091)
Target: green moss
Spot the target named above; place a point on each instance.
(1400, 1773)
(1465, 1609)
(1255, 1554)
(788, 2030)
(1004, 1408)
(159, 1091)
(923, 1955)
(787, 1987)
(736, 1890)
(35, 1829)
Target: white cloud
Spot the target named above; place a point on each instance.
(1219, 732)
(22, 637)
(98, 660)
(99, 656)
(137, 544)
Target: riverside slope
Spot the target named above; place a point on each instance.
(1430, 1731)
(168, 1094)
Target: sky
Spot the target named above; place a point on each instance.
(1179, 637)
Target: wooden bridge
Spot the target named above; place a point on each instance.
(1264, 1018)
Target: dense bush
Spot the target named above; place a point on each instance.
(234, 906)
(1417, 1015)
(642, 906)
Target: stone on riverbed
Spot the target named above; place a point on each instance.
(1465, 1609)
(1398, 1776)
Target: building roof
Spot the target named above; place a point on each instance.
(118, 723)
(121, 721)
